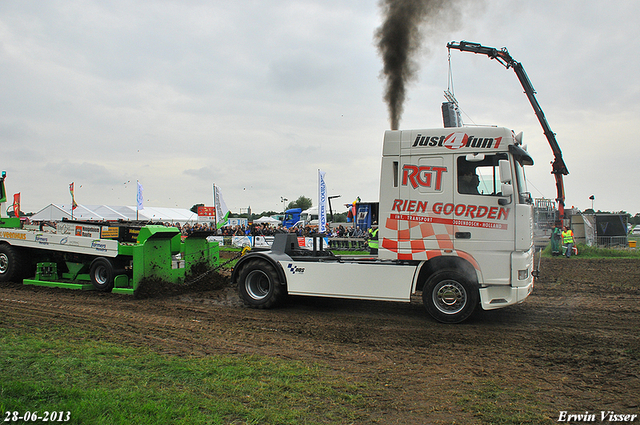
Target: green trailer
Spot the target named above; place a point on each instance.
(86, 263)
(113, 257)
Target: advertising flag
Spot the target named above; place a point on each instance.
(222, 212)
(16, 204)
(322, 203)
(73, 197)
(3, 193)
(140, 198)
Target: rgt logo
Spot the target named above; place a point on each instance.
(423, 175)
(295, 269)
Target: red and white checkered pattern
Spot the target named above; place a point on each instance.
(422, 241)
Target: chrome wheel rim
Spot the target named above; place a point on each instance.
(449, 297)
(101, 276)
(257, 284)
(4, 263)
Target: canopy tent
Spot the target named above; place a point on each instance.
(268, 220)
(54, 212)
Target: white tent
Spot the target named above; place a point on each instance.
(268, 220)
(54, 212)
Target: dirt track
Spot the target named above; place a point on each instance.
(573, 345)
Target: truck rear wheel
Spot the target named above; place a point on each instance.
(259, 286)
(102, 274)
(449, 296)
(11, 264)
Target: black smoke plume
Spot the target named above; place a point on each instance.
(399, 39)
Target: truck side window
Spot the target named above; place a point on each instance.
(468, 179)
(479, 177)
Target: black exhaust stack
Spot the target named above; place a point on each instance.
(450, 112)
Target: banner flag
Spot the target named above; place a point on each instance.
(16, 204)
(222, 212)
(322, 202)
(73, 197)
(3, 193)
(140, 198)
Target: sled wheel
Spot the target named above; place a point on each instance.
(449, 296)
(102, 273)
(11, 264)
(259, 286)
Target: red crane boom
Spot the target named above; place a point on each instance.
(559, 168)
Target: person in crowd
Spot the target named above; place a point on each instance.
(373, 238)
(556, 240)
(568, 241)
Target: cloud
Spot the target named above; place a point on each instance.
(85, 173)
(256, 96)
(204, 173)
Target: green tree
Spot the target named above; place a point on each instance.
(267, 214)
(339, 217)
(302, 202)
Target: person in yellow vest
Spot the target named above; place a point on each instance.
(568, 241)
(373, 238)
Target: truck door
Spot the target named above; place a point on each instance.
(425, 182)
(483, 217)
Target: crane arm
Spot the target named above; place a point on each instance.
(559, 168)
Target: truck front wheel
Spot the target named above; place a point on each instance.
(449, 296)
(11, 264)
(102, 274)
(259, 286)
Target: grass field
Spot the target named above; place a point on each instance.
(49, 368)
(93, 382)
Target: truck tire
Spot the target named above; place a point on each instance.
(12, 265)
(259, 286)
(102, 274)
(449, 296)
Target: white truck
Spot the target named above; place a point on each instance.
(456, 224)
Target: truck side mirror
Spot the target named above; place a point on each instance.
(505, 171)
(507, 193)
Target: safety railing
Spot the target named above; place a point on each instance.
(612, 241)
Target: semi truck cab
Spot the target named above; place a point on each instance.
(457, 198)
(455, 224)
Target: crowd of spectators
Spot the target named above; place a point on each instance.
(254, 229)
(341, 237)
(268, 230)
(238, 230)
(347, 232)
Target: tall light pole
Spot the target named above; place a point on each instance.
(331, 211)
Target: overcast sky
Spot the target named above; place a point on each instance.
(256, 96)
